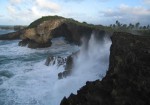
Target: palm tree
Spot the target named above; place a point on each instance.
(148, 26)
(111, 25)
(124, 26)
(131, 26)
(118, 23)
(137, 25)
(144, 27)
(114, 26)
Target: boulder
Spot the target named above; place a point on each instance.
(24, 42)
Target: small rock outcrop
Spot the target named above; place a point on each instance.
(55, 60)
(127, 81)
(61, 61)
(67, 62)
(68, 68)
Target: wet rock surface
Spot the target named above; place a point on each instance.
(32, 44)
(68, 68)
(67, 62)
(52, 60)
(127, 81)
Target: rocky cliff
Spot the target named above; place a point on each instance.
(127, 81)
(40, 33)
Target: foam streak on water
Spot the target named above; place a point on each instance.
(33, 83)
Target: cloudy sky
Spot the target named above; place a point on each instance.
(23, 12)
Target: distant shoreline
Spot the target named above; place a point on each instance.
(15, 27)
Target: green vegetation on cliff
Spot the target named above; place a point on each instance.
(42, 19)
(117, 27)
(67, 20)
(136, 28)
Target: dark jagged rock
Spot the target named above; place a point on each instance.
(68, 68)
(24, 42)
(34, 44)
(127, 81)
(51, 60)
(78, 32)
(63, 74)
(67, 62)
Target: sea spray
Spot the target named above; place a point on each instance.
(92, 59)
(34, 83)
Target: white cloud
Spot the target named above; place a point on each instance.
(85, 0)
(147, 2)
(45, 4)
(26, 16)
(28, 10)
(128, 14)
(138, 10)
(11, 9)
(15, 1)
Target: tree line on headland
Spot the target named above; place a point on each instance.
(15, 27)
(135, 26)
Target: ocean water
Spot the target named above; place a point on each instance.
(26, 80)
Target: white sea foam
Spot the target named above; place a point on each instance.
(37, 84)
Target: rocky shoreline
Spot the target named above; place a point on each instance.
(127, 81)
